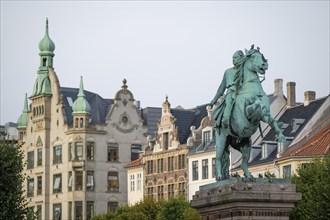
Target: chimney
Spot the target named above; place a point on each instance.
(291, 94)
(278, 90)
(309, 96)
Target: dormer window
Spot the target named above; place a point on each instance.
(267, 148)
(296, 122)
(206, 137)
(284, 126)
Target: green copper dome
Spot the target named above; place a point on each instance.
(81, 105)
(24, 117)
(46, 44)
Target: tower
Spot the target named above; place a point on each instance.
(81, 109)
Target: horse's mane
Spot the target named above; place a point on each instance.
(238, 77)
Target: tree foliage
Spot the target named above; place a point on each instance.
(12, 200)
(313, 182)
(148, 209)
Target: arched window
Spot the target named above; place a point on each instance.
(34, 111)
(44, 61)
(76, 123)
(81, 123)
(112, 206)
(113, 182)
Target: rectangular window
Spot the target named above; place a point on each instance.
(213, 167)
(113, 183)
(182, 188)
(30, 187)
(39, 185)
(90, 150)
(57, 154)
(150, 167)
(30, 161)
(79, 210)
(170, 163)
(90, 181)
(304, 165)
(138, 181)
(112, 206)
(57, 183)
(160, 192)
(78, 180)
(206, 137)
(78, 151)
(170, 191)
(132, 182)
(165, 141)
(287, 171)
(151, 191)
(160, 164)
(39, 212)
(205, 169)
(57, 211)
(70, 181)
(90, 210)
(39, 157)
(113, 152)
(70, 151)
(135, 151)
(195, 170)
(70, 211)
(182, 162)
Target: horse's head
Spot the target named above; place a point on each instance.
(256, 61)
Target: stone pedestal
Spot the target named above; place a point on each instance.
(243, 198)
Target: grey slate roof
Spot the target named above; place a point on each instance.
(198, 147)
(297, 112)
(99, 105)
(185, 118)
(300, 112)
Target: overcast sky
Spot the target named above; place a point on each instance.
(175, 48)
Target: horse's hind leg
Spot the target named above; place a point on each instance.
(221, 146)
(246, 150)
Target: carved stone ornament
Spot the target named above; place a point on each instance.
(125, 130)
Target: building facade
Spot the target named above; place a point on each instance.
(165, 160)
(75, 144)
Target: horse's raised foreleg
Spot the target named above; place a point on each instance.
(246, 150)
(221, 146)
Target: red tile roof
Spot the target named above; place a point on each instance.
(316, 146)
(134, 163)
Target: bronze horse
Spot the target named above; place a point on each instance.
(250, 106)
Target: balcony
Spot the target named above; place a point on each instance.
(78, 164)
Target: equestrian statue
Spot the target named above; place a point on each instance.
(238, 114)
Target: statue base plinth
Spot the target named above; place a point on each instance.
(246, 198)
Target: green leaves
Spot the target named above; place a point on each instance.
(12, 201)
(313, 181)
(149, 209)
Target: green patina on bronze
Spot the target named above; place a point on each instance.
(239, 113)
(46, 47)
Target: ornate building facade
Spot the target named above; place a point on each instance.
(76, 143)
(165, 160)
